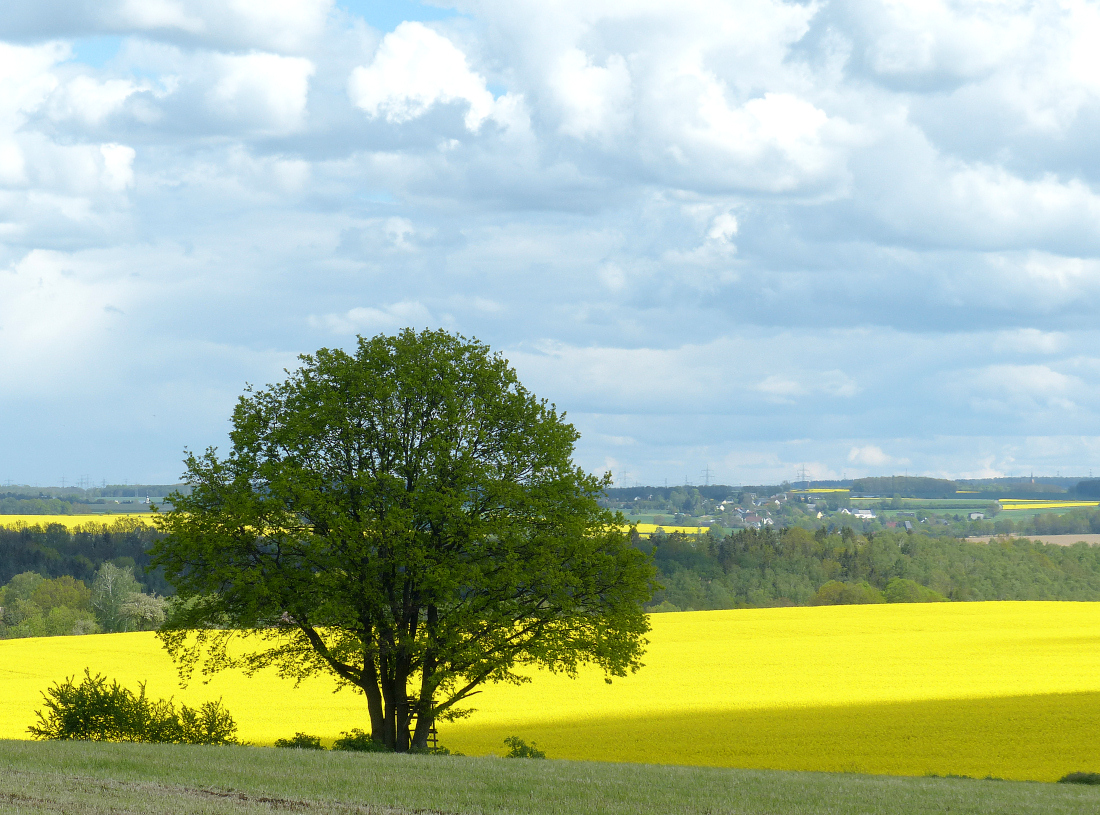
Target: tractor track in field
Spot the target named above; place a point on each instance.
(155, 792)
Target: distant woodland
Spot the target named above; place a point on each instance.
(55, 551)
(768, 567)
(743, 569)
(75, 500)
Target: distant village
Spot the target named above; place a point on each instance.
(937, 506)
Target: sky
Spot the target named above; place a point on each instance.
(731, 240)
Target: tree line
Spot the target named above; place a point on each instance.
(767, 567)
(54, 550)
(25, 505)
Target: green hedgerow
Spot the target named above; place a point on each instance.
(96, 711)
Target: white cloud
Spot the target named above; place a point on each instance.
(280, 25)
(265, 92)
(414, 69)
(55, 315)
(870, 455)
(152, 14)
(595, 99)
(371, 320)
(781, 387)
(756, 235)
(1030, 341)
(118, 171)
(90, 101)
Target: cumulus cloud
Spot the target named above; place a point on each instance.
(371, 320)
(844, 234)
(414, 69)
(266, 92)
(870, 455)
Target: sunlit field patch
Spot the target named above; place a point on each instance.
(649, 529)
(1008, 504)
(72, 521)
(1004, 689)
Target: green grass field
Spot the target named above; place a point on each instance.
(81, 778)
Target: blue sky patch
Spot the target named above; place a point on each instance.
(96, 51)
(386, 15)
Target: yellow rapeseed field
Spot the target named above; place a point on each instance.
(1007, 689)
(72, 521)
(648, 529)
(1022, 503)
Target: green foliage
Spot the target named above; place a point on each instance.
(518, 748)
(54, 551)
(96, 711)
(908, 486)
(1080, 778)
(902, 590)
(33, 606)
(300, 741)
(836, 593)
(10, 505)
(406, 516)
(358, 741)
(120, 604)
(753, 568)
(62, 591)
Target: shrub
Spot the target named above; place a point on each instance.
(96, 711)
(1080, 778)
(359, 742)
(300, 741)
(662, 607)
(900, 590)
(518, 748)
(835, 593)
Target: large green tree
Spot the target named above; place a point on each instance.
(407, 517)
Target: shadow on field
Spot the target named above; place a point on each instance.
(1038, 738)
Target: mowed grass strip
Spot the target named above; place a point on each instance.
(82, 778)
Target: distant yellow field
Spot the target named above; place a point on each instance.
(1004, 689)
(1012, 503)
(649, 529)
(71, 521)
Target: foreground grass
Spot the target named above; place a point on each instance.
(80, 778)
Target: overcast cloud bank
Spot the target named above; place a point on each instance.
(863, 237)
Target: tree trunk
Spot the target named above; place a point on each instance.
(374, 702)
(424, 722)
(396, 698)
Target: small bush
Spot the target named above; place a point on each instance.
(835, 593)
(1080, 778)
(96, 711)
(518, 748)
(663, 607)
(900, 590)
(300, 741)
(359, 742)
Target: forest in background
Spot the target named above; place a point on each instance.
(768, 567)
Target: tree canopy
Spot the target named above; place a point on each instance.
(407, 517)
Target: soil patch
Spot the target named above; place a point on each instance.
(1061, 540)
